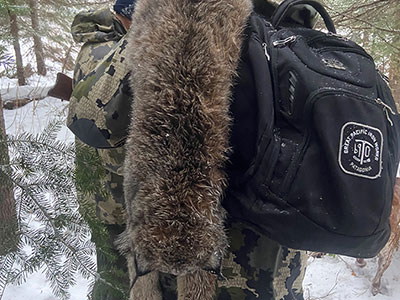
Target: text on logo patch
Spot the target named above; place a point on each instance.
(360, 150)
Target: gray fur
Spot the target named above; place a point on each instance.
(183, 59)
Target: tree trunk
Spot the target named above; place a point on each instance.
(8, 217)
(394, 75)
(37, 42)
(14, 30)
(66, 58)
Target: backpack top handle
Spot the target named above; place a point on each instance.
(282, 10)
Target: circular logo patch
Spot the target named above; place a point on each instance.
(360, 152)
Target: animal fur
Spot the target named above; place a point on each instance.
(183, 60)
(385, 256)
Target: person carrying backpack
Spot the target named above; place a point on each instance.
(323, 131)
(255, 266)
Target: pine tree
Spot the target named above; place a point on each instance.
(374, 24)
(394, 73)
(8, 221)
(37, 41)
(26, 19)
(11, 8)
(51, 222)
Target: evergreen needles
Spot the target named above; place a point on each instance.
(48, 176)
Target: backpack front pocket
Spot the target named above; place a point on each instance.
(343, 164)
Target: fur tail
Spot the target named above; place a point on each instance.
(183, 57)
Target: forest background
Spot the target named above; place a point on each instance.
(35, 42)
(44, 25)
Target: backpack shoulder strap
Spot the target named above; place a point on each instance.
(283, 9)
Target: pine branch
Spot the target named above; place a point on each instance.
(47, 185)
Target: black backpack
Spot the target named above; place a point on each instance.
(319, 163)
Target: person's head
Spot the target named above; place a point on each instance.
(124, 10)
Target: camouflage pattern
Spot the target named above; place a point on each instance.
(102, 35)
(108, 202)
(99, 31)
(111, 209)
(258, 268)
(112, 267)
(101, 98)
(255, 267)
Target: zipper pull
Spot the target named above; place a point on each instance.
(384, 77)
(338, 36)
(264, 45)
(285, 42)
(386, 109)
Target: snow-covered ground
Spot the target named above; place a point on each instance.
(328, 278)
(339, 278)
(36, 287)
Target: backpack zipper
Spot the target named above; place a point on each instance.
(282, 43)
(384, 77)
(322, 37)
(265, 47)
(386, 109)
(338, 36)
(344, 49)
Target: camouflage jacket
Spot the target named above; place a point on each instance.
(99, 31)
(101, 97)
(100, 101)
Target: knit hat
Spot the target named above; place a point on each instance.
(125, 8)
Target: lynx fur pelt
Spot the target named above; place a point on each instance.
(183, 59)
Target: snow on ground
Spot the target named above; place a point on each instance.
(34, 117)
(36, 287)
(339, 278)
(327, 278)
